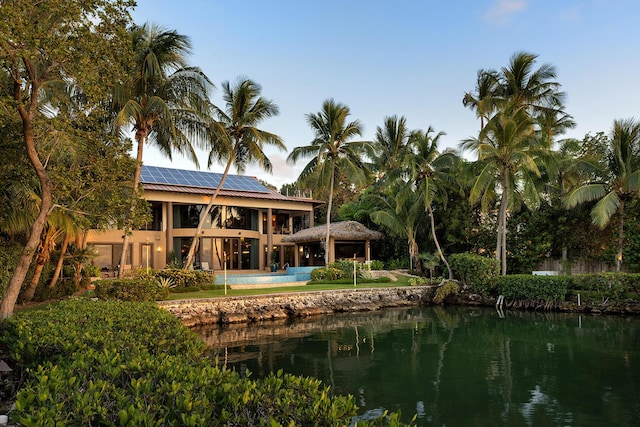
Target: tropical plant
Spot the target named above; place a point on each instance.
(238, 140)
(620, 186)
(389, 148)
(333, 153)
(55, 46)
(165, 101)
(482, 99)
(429, 169)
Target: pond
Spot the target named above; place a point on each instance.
(455, 366)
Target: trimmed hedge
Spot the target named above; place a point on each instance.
(130, 290)
(123, 363)
(478, 272)
(525, 286)
(608, 286)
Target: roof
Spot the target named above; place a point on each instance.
(344, 230)
(155, 178)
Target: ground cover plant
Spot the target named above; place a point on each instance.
(124, 363)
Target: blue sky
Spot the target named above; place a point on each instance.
(404, 57)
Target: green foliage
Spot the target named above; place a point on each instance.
(345, 281)
(116, 363)
(608, 287)
(418, 281)
(478, 272)
(448, 288)
(376, 264)
(525, 286)
(179, 277)
(9, 255)
(130, 290)
(91, 270)
(64, 288)
(397, 264)
(331, 273)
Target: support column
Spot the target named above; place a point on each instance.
(269, 236)
(169, 228)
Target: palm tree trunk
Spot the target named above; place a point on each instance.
(141, 137)
(326, 244)
(188, 263)
(60, 263)
(435, 240)
(502, 224)
(620, 235)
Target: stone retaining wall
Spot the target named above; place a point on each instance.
(294, 305)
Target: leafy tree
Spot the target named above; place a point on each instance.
(50, 46)
(165, 101)
(620, 186)
(482, 98)
(332, 152)
(238, 140)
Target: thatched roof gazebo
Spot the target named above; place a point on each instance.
(346, 238)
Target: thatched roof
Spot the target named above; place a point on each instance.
(345, 230)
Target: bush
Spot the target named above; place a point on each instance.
(397, 264)
(330, 273)
(64, 288)
(130, 290)
(119, 363)
(185, 278)
(376, 264)
(607, 286)
(478, 272)
(525, 286)
(448, 288)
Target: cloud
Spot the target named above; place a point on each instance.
(502, 10)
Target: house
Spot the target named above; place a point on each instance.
(244, 229)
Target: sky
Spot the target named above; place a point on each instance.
(411, 58)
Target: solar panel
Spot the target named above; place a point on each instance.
(159, 175)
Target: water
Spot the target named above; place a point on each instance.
(456, 366)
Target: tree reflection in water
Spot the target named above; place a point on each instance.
(456, 366)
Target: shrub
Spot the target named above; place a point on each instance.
(396, 264)
(123, 363)
(64, 288)
(478, 272)
(524, 286)
(330, 273)
(130, 290)
(607, 286)
(376, 264)
(185, 278)
(448, 288)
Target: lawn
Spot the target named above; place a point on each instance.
(402, 281)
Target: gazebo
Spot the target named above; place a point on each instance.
(348, 239)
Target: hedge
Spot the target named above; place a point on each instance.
(478, 272)
(525, 286)
(123, 363)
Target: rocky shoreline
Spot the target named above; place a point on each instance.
(250, 309)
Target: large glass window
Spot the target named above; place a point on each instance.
(109, 256)
(156, 217)
(232, 217)
(186, 216)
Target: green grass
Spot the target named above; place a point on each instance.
(402, 281)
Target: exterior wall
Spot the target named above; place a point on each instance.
(160, 242)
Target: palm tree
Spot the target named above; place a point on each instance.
(401, 210)
(429, 171)
(166, 102)
(390, 146)
(507, 160)
(238, 139)
(622, 158)
(482, 99)
(332, 152)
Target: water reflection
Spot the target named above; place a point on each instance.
(456, 366)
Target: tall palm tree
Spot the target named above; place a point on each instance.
(429, 170)
(332, 152)
(390, 146)
(238, 139)
(622, 185)
(508, 162)
(482, 99)
(165, 101)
